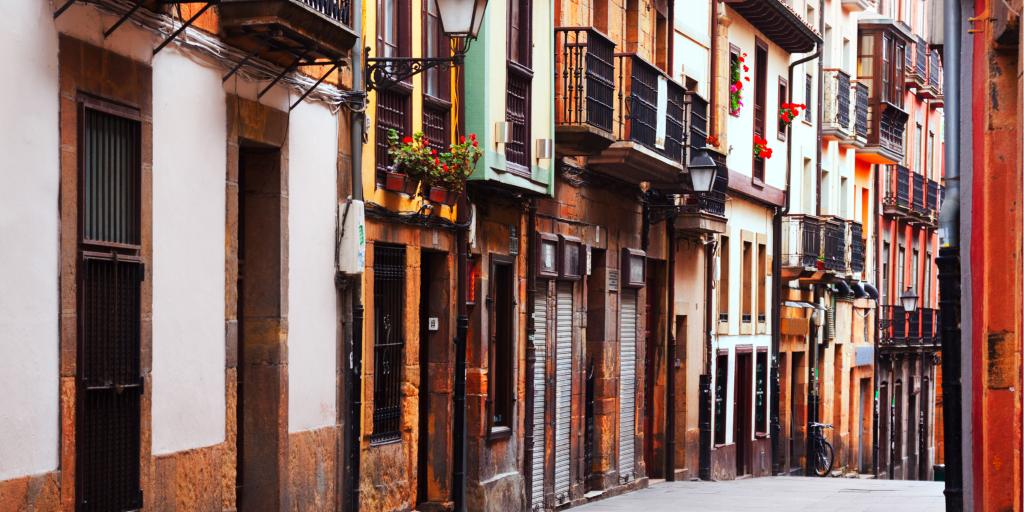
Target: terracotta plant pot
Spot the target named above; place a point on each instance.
(399, 182)
(442, 195)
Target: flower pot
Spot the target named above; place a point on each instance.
(442, 195)
(399, 182)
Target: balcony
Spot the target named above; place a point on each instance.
(855, 242)
(902, 331)
(584, 91)
(933, 88)
(703, 212)
(833, 240)
(910, 196)
(801, 247)
(916, 65)
(837, 124)
(858, 5)
(286, 32)
(777, 20)
(884, 138)
(643, 150)
(860, 114)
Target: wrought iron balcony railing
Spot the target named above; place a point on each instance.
(897, 187)
(934, 195)
(801, 241)
(860, 110)
(919, 190)
(856, 244)
(935, 72)
(637, 110)
(584, 78)
(838, 106)
(899, 328)
(834, 242)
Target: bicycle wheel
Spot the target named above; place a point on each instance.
(823, 460)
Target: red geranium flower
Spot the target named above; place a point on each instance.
(745, 68)
(407, 140)
(462, 139)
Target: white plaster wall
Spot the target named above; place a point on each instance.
(692, 43)
(312, 300)
(29, 178)
(189, 165)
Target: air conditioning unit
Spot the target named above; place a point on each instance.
(351, 237)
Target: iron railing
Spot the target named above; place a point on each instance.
(637, 107)
(711, 202)
(934, 195)
(834, 241)
(920, 190)
(837, 101)
(585, 87)
(860, 122)
(801, 241)
(334, 9)
(890, 128)
(897, 187)
(517, 112)
(388, 341)
(934, 72)
(857, 246)
(917, 328)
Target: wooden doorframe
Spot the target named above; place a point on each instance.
(742, 401)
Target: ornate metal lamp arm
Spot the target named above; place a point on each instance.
(383, 72)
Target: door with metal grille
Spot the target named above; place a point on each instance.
(110, 273)
(627, 384)
(388, 341)
(563, 389)
(540, 334)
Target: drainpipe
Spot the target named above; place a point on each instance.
(778, 285)
(949, 264)
(461, 326)
(875, 425)
(704, 419)
(670, 355)
(531, 348)
(353, 377)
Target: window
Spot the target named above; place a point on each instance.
(884, 292)
(808, 96)
(723, 280)
(827, 46)
(517, 96)
(761, 393)
(502, 346)
(844, 199)
(745, 271)
(915, 268)
(845, 58)
(918, 136)
(633, 268)
(547, 255)
(931, 154)
(109, 377)
(900, 271)
(760, 93)
(926, 296)
(721, 388)
(762, 282)
(661, 38)
(394, 103)
(572, 257)
(388, 341)
(436, 82)
(783, 98)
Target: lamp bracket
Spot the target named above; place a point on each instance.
(383, 72)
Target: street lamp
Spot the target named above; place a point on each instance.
(460, 21)
(909, 300)
(702, 171)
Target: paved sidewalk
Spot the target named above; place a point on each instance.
(780, 494)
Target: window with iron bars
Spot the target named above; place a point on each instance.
(392, 106)
(517, 113)
(110, 273)
(388, 341)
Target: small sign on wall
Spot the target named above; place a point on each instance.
(432, 324)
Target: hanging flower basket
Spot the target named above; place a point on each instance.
(442, 195)
(400, 182)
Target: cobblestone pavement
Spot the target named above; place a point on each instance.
(780, 494)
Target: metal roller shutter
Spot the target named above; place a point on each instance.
(540, 322)
(627, 383)
(563, 389)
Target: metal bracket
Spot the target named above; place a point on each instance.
(330, 70)
(238, 66)
(60, 10)
(383, 72)
(183, 26)
(122, 19)
(291, 67)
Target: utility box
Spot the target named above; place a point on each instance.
(351, 237)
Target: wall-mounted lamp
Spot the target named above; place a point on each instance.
(545, 149)
(502, 132)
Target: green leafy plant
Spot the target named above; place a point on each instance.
(449, 169)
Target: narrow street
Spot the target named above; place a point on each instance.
(780, 493)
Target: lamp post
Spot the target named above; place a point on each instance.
(460, 21)
(817, 320)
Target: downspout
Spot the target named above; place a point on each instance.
(777, 284)
(531, 348)
(670, 355)
(459, 444)
(353, 380)
(875, 424)
(949, 263)
(704, 414)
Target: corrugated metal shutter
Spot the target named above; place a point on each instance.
(540, 322)
(627, 383)
(563, 389)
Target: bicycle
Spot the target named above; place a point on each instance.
(823, 453)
